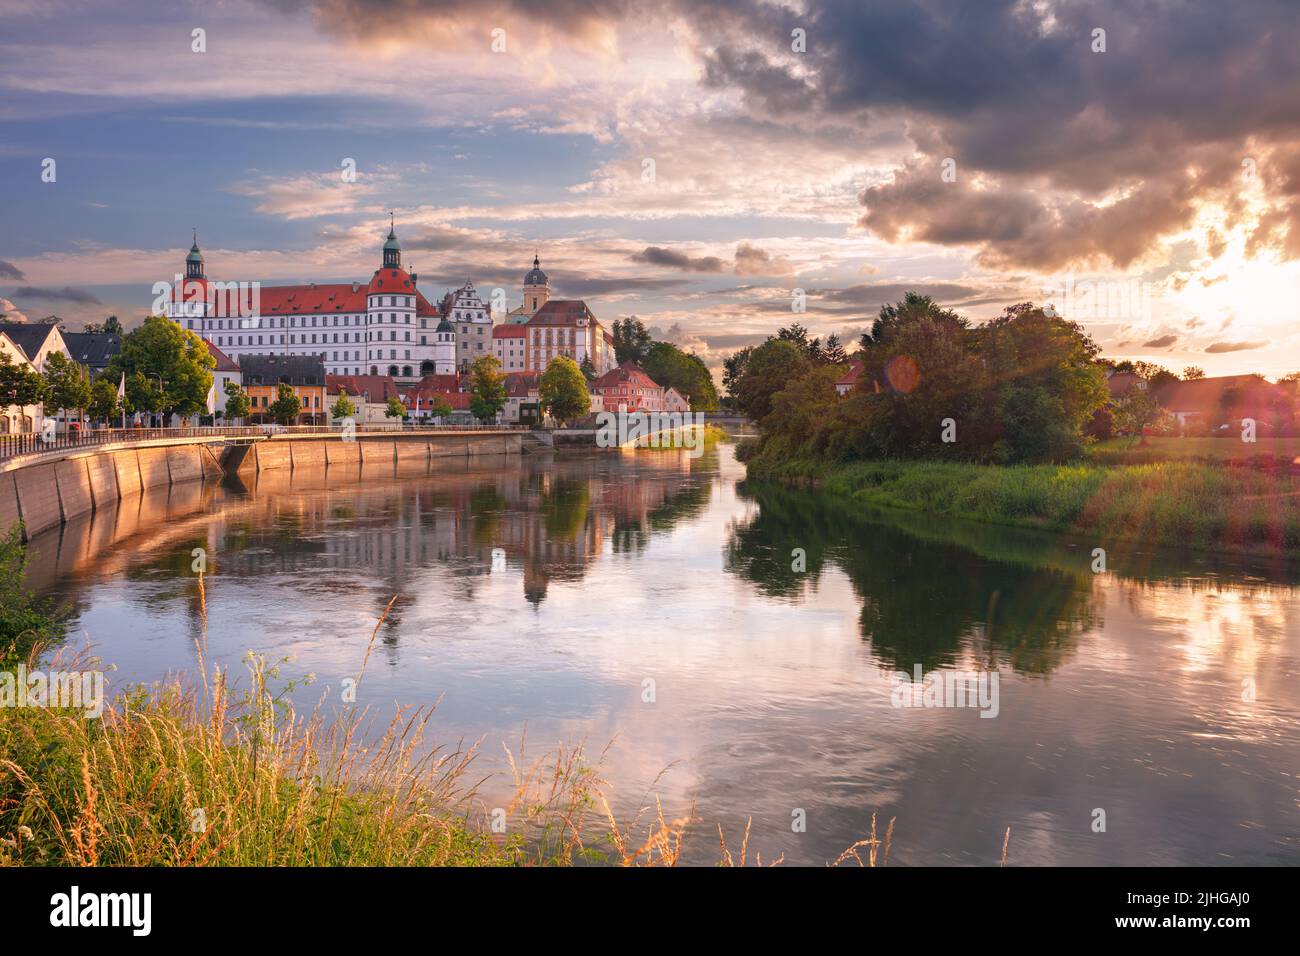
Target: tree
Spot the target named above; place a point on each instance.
(768, 369)
(563, 390)
(69, 383)
(733, 369)
(669, 366)
(833, 352)
(631, 340)
(440, 408)
(168, 368)
(287, 406)
(487, 393)
(112, 325)
(1137, 410)
(20, 384)
(797, 334)
(395, 408)
(344, 407)
(588, 370)
(238, 405)
(1192, 373)
(104, 404)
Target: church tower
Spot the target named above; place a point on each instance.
(537, 288)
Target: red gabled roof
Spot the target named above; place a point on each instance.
(629, 374)
(457, 400)
(439, 383)
(509, 332)
(851, 376)
(521, 384)
(311, 299)
(224, 362)
(379, 387)
(562, 312)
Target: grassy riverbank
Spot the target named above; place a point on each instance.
(1176, 503)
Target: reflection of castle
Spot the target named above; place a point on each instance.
(552, 525)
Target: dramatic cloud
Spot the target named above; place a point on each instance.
(11, 312)
(10, 271)
(659, 256)
(66, 294)
(1220, 347)
(752, 261)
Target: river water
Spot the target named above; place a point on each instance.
(737, 648)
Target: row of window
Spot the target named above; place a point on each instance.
(292, 322)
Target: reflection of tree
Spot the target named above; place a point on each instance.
(486, 506)
(564, 508)
(924, 601)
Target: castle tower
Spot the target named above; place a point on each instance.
(392, 248)
(194, 261)
(444, 349)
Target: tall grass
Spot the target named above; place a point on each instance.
(190, 772)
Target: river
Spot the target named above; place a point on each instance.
(736, 648)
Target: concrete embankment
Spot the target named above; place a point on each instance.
(44, 491)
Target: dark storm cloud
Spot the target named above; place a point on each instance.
(1161, 342)
(10, 271)
(1064, 155)
(66, 294)
(1220, 347)
(659, 256)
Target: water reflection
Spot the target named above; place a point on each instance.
(1162, 691)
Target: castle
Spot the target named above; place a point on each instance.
(385, 326)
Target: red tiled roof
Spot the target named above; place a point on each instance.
(1205, 396)
(562, 312)
(629, 374)
(379, 387)
(520, 384)
(440, 383)
(509, 332)
(224, 362)
(457, 400)
(317, 299)
(851, 376)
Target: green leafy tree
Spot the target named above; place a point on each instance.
(20, 384)
(631, 340)
(487, 394)
(344, 407)
(69, 383)
(1192, 373)
(112, 325)
(395, 408)
(669, 366)
(769, 368)
(563, 390)
(440, 408)
(104, 404)
(238, 405)
(733, 369)
(287, 406)
(168, 368)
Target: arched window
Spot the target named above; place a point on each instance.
(426, 367)
(374, 370)
(406, 371)
(392, 370)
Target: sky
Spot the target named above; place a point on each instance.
(717, 168)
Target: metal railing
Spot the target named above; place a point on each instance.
(34, 443)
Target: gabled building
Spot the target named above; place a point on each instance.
(93, 349)
(628, 388)
(38, 340)
(675, 401)
(849, 380)
(17, 419)
(305, 374)
(509, 345)
(567, 327)
(1225, 400)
